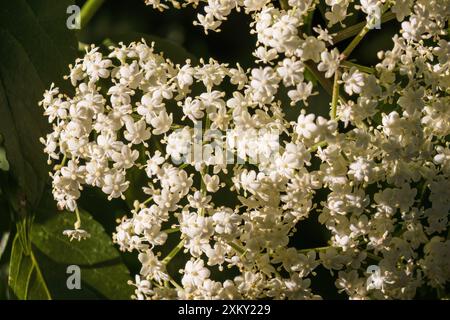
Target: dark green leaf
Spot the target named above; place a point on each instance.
(25, 277)
(36, 48)
(103, 274)
(40, 259)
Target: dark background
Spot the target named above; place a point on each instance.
(233, 44)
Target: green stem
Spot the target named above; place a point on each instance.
(317, 145)
(205, 170)
(88, 10)
(157, 144)
(62, 164)
(109, 43)
(173, 253)
(147, 201)
(314, 249)
(324, 82)
(184, 165)
(175, 284)
(307, 23)
(362, 68)
(82, 46)
(355, 29)
(335, 96)
(171, 230)
(356, 40)
(78, 222)
(237, 248)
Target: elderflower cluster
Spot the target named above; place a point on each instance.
(381, 162)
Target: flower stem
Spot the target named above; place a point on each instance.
(324, 82)
(317, 145)
(184, 165)
(171, 230)
(88, 10)
(173, 253)
(109, 43)
(361, 34)
(314, 249)
(82, 47)
(356, 40)
(204, 170)
(335, 96)
(355, 29)
(175, 284)
(62, 164)
(237, 248)
(146, 201)
(362, 68)
(78, 222)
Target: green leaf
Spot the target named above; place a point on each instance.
(39, 262)
(103, 275)
(25, 277)
(36, 48)
(4, 164)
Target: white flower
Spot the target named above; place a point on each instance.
(137, 132)
(305, 126)
(302, 92)
(152, 268)
(337, 14)
(179, 144)
(115, 184)
(192, 108)
(95, 66)
(212, 183)
(361, 170)
(77, 234)
(291, 71)
(254, 5)
(264, 55)
(329, 62)
(226, 221)
(185, 76)
(143, 288)
(153, 164)
(124, 159)
(376, 175)
(312, 48)
(161, 123)
(195, 273)
(264, 83)
(353, 81)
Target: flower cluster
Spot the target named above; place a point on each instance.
(382, 159)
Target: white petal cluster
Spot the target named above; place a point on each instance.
(384, 174)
